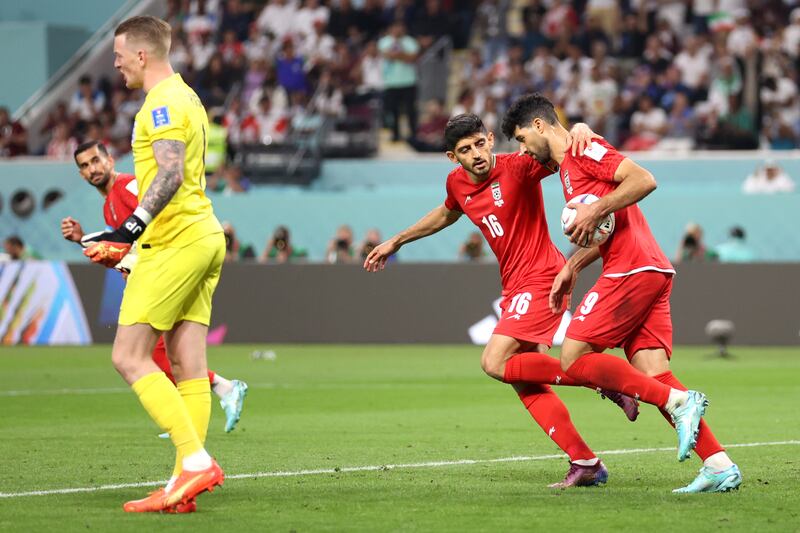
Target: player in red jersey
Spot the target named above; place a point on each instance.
(628, 306)
(502, 195)
(96, 166)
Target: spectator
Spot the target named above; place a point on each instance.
(742, 39)
(694, 64)
(13, 136)
(290, 69)
(309, 16)
(735, 249)
(680, 123)
(254, 78)
(790, 43)
(371, 240)
(214, 82)
(342, 18)
(431, 23)
(257, 45)
(692, 248)
(371, 70)
(62, 145)
(230, 49)
(648, 125)
(399, 52)
(633, 34)
(202, 49)
(279, 248)
(597, 97)
(86, 103)
(234, 182)
(234, 250)
(265, 126)
(277, 18)
(279, 100)
(318, 46)
(179, 55)
(199, 22)
(340, 248)
(472, 249)
(17, 251)
(236, 18)
(430, 133)
(769, 179)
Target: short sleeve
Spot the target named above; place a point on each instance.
(600, 161)
(130, 196)
(166, 121)
(410, 45)
(450, 201)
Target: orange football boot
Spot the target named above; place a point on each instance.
(190, 483)
(154, 503)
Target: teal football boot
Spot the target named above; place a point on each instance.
(711, 481)
(232, 403)
(687, 421)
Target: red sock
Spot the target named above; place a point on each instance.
(534, 367)
(707, 443)
(161, 360)
(211, 377)
(612, 373)
(551, 414)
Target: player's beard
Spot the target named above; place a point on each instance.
(102, 183)
(542, 153)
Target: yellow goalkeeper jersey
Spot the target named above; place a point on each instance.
(172, 111)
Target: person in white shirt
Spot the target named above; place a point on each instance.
(308, 15)
(86, 103)
(277, 18)
(791, 34)
(769, 179)
(694, 63)
(743, 37)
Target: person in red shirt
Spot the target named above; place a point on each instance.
(502, 195)
(120, 191)
(628, 306)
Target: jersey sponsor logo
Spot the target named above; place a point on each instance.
(160, 117)
(497, 195)
(567, 184)
(595, 151)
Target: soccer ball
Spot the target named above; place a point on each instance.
(604, 229)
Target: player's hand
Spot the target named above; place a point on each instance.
(561, 291)
(579, 138)
(106, 252)
(376, 260)
(581, 231)
(71, 229)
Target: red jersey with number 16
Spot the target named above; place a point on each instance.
(509, 210)
(632, 247)
(122, 200)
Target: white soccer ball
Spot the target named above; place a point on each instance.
(604, 229)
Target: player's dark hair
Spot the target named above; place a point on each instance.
(525, 110)
(460, 126)
(16, 241)
(737, 232)
(88, 145)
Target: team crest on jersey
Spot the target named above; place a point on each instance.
(160, 117)
(567, 184)
(497, 195)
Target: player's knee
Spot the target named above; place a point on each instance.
(493, 365)
(567, 358)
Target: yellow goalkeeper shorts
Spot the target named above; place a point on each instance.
(169, 285)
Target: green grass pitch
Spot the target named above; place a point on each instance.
(68, 421)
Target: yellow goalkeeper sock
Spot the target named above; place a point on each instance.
(196, 394)
(165, 406)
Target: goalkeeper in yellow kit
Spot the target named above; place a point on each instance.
(181, 249)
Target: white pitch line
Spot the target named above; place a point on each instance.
(374, 468)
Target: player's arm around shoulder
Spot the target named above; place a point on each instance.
(436, 220)
(170, 156)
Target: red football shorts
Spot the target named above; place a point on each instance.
(526, 315)
(631, 312)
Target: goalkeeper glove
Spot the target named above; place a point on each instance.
(109, 247)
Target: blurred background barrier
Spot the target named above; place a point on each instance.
(438, 303)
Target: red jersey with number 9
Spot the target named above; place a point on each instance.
(632, 247)
(509, 210)
(121, 201)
